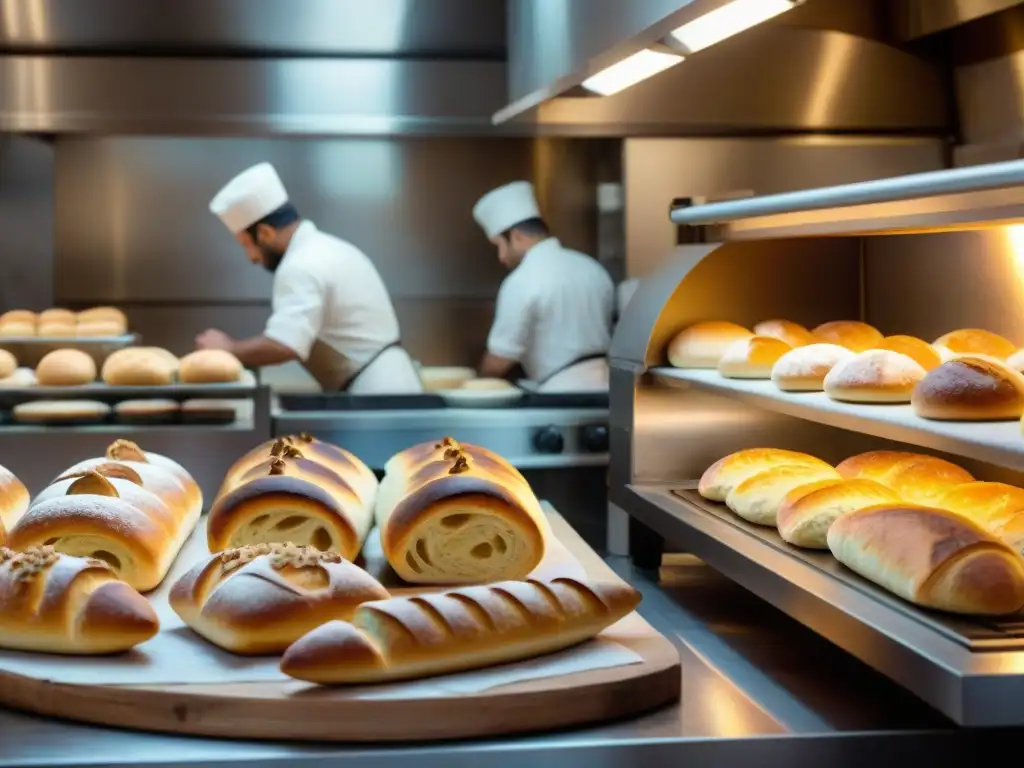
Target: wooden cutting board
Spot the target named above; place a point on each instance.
(290, 710)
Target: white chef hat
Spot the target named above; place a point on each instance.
(504, 207)
(248, 197)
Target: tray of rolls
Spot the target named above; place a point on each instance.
(915, 532)
(314, 601)
(97, 331)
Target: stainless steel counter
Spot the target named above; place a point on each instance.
(757, 688)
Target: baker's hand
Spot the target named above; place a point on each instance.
(214, 339)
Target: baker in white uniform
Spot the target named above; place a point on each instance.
(554, 310)
(330, 309)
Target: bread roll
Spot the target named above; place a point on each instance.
(60, 412)
(13, 329)
(92, 520)
(65, 368)
(14, 500)
(359, 477)
(209, 366)
(137, 367)
(792, 333)
(53, 330)
(852, 334)
(752, 358)
(804, 369)
(875, 376)
(111, 315)
(146, 411)
(921, 352)
(932, 557)
(702, 344)
(98, 329)
(974, 341)
(261, 599)
(440, 378)
(996, 507)
(57, 316)
(8, 364)
(883, 466)
(452, 513)
(467, 628)
(290, 498)
(725, 474)
(970, 388)
(487, 384)
(758, 498)
(18, 317)
(167, 356)
(808, 511)
(56, 603)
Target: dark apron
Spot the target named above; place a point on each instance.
(329, 368)
(573, 364)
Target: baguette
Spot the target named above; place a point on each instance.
(56, 603)
(261, 599)
(931, 557)
(135, 533)
(14, 500)
(453, 513)
(466, 628)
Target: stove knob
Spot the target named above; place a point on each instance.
(594, 438)
(548, 440)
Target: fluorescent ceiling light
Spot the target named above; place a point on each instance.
(629, 71)
(731, 19)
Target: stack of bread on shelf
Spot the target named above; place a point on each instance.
(965, 375)
(917, 525)
(95, 322)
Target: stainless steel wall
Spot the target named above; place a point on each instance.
(26, 220)
(655, 171)
(133, 228)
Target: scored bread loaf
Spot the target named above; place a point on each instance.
(758, 498)
(701, 345)
(134, 534)
(452, 513)
(65, 368)
(852, 334)
(975, 341)
(14, 500)
(729, 471)
(260, 599)
(792, 333)
(804, 369)
(884, 465)
(970, 388)
(209, 366)
(918, 350)
(808, 511)
(996, 507)
(875, 376)
(290, 498)
(137, 367)
(932, 557)
(752, 357)
(467, 628)
(916, 477)
(57, 603)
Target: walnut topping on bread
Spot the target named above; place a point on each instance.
(125, 450)
(109, 469)
(35, 560)
(277, 467)
(280, 556)
(461, 465)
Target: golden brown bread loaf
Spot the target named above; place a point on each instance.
(452, 513)
(8, 364)
(137, 367)
(804, 369)
(109, 315)
(792, 333)
(14, 500)
(808, 511)
(65, 368)
(852, 334)
(702, 344)
(725, 474)
(918, 350)
(135, 535)
(970, 388)
(55, 603)
(875, 376)
(996, 507)
(932, 557)
(975, 341)
(209, 366)
(884, 465)
(18, 316)
(97, 329)
(467, 628)
(290, 498)
(916, 477)
(261, 599)
(752, 358)
(57, 317)
(758, 498)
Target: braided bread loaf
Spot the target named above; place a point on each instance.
(56, 603)
(466, 628)
(260, 599)
(452, 513)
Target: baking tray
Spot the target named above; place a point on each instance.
(346, 402)
(29, 350)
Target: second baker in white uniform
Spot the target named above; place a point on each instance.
(554, 310)
(330, 309)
